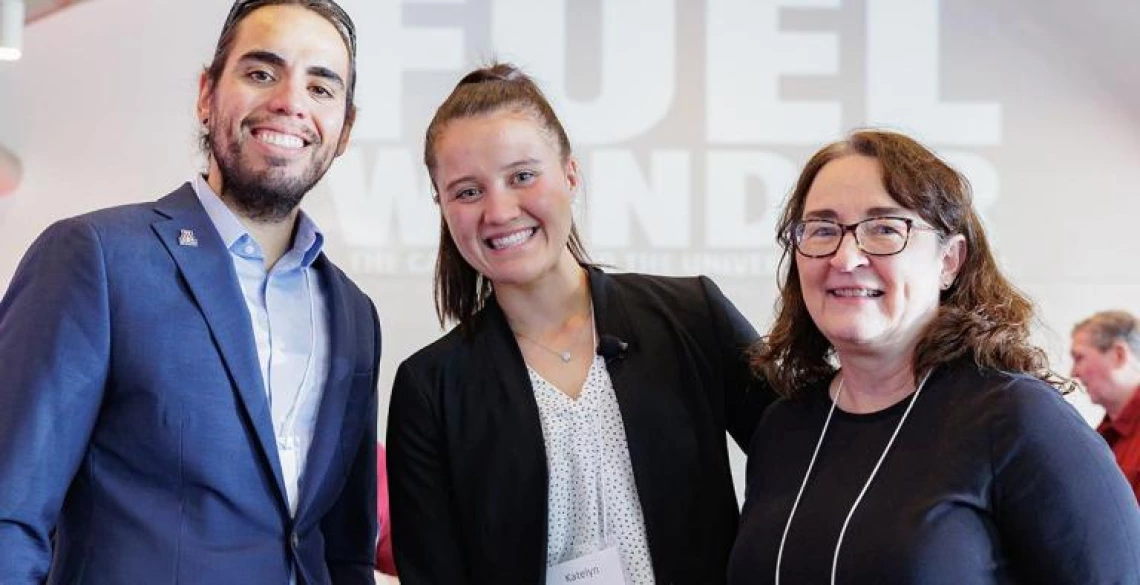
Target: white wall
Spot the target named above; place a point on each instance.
(690, 120)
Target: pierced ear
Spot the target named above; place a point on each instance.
(205, 93)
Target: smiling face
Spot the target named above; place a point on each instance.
(505, 190)
(863, 303)
(276, 116)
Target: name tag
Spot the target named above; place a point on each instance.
(600, 568)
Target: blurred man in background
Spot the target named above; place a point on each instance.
(1106, 359)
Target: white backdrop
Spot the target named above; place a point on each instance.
(691, 118)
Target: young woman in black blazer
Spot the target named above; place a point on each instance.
(571, 414)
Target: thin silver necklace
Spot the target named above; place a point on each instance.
(862, 492)
(566, 355)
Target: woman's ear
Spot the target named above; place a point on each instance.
(573, 178)
(953, 257)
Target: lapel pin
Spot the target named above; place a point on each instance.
(187, 238)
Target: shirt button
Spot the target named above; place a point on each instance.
(295, 540)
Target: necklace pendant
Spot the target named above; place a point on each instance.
(565, 357)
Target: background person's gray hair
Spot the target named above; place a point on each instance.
(1106, 327)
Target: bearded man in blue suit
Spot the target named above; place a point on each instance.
(188, 392)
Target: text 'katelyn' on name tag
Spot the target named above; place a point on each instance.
(600, 568)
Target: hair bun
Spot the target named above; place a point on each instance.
(505, 72)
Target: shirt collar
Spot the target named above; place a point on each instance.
(308, 238)
(308, 241)
(1129, 419)
(228, 225)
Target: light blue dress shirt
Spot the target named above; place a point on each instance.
(290, 318)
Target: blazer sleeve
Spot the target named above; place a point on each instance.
(746, 395)
(424, 532)
(349, 527)
(55, 347)
(1060, 501)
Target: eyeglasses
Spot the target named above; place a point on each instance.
(876, 236)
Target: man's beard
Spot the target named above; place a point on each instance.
(268, 195)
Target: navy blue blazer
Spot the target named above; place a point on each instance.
(467, 468)
(136, 443)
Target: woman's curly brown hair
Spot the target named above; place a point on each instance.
(981, 315)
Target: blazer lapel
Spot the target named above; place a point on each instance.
(334, 398)
(634, 376)
(502, 355)
(517, 518)
(206, 266)
(611, 320)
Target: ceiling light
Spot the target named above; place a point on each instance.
(11, 29)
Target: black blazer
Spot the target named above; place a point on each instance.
(467, 463)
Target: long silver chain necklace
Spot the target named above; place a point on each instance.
(566, 355)
(862, 492)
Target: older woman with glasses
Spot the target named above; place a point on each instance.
(920, 437)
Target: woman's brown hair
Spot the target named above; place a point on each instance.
(460, 290)
(981, 315)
